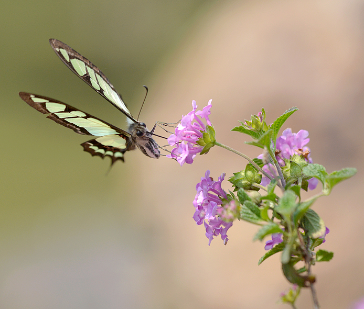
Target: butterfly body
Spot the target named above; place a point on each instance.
(142, 138)
(111, 141)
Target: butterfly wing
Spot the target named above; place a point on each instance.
(90, 74)
(111, 141)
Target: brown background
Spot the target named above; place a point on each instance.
(73, 238)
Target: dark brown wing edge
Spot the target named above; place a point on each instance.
(118, 154)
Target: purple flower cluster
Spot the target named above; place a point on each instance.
(187, 133)
(287, 145)
(208, 206)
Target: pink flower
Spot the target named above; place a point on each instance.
(187, 133)
(287, 145)
(276, 239)
(327, 231)
(290, 143)
(208, 206)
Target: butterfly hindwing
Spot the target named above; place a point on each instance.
(111, 141)
(89, 73)
(106, 146)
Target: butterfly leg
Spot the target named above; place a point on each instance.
(162, 125)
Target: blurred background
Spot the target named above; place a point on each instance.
(73, 237)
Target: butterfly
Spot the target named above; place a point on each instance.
(111, 141)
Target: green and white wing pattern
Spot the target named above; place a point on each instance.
(90, 74)
(111, 141)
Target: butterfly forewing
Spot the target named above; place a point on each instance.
(90, 74)
(112, 141)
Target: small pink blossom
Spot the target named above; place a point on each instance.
(187, 133)
(276, 239)
(208, 206)
(287, 145)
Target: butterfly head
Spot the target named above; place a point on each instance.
(141, 132)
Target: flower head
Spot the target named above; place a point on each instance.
(209, 209)
(288, 145)
(189, 135)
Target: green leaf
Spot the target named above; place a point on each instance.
(211, 131)
(245, 130)
(313, 224)
(324, 256)
(304, 185)
(267, 229)
(301, 210)
(293, 276)
(264, 213)
(316, 242)
(265, 139)
(255, 144)
(287, 204)
(297, 190)
(243, 196)
(277, 124)
(302, 270)
(274, 250)
(258, 162)
(271, 196)
(253, 208)
(315, 170)
(250, 216)
(272, 185)
(335, 177)
(207, 148)
(295, 170)
(208, 140)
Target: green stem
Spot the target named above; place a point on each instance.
(308, 266)
(278, 167)
(257, 185)
(315, 197)
(247, 158)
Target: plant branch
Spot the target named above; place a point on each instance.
(248, 159)
(257, 185)
(278, 167)
(308, 259)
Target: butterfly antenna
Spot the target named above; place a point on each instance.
(146, 93)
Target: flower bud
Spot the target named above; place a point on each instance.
(255, 196)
